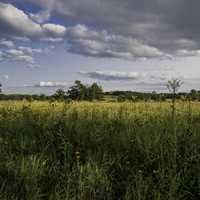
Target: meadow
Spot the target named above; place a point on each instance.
(99, 151)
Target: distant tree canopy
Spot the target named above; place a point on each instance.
(79, 91)
(60, 95)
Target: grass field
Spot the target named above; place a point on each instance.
(97, 151)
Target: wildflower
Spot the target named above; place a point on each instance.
(155, 171)
(77, 155)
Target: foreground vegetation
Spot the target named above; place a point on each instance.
(86, 151)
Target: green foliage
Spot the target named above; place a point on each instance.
(79, 91)
(99, 151)
(59, 95)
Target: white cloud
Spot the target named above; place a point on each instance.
(20, 54)
(101, 44)
(40, 17)
(6, 43)
(54, 40)
(185, 52)
(148, 77)
(16, 22)
(51, 84)
(45, 14)
(14, 19)
(5, 77)
(21, 39)
(17, 55)
(54, 30)
(29, 51)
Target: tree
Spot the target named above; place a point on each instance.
(193, 94)
(95, 92)
(60, 94)
(173, 86)
(78, 91)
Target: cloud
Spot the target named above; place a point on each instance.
(54, 30)
(5, 76)
(15, 22)
(112, 75)
(139, 77)
(45, 14)
(40, 17)
(20, 54)
(101, 44)
(135, 29)
(186, 53)
(17, 55)
(168, 26)
(6, 43)
(29, 51)
(51, 84)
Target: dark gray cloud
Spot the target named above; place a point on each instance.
(167, 25)
(151, 77)
(112, 28)
(112, 75)
(86, 41)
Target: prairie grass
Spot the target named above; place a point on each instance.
(97, 151)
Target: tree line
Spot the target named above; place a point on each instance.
(79, 92)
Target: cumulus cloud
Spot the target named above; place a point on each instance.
(169, 26)
(17, 55)
(6, 43)
(129, 29)
(16, 22)
(40, 17)
(101, 44)
(112, 75)
(29, 51)
(44, 14)
(4, 77)
(54, 30)
(139, 77)
(187, 53)
(20, 54)
(51, 84)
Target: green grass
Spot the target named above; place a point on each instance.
(86, 151)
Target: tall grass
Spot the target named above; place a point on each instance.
(99, 151)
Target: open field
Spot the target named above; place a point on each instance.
(96, 151)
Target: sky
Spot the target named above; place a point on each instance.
(122, 45)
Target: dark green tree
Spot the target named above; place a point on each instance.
(95, 92)
(60, 94)
(194, 94)
(78, 91)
